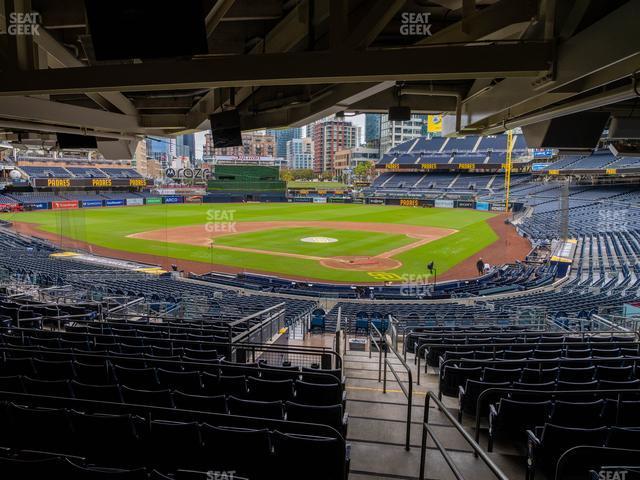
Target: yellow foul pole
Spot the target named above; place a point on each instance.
(507, 170)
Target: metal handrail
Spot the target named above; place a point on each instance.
(407, 391)
(428, 431)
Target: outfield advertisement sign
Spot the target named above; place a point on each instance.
(319, 199)
(465, 204)
(302, 199)
(91, 182)
(135, 201)
(482, 206)
(37, 206)
(375, 201)
(172, 199)
(444, 203)
(64, 205)
(114, 203)
(153, 200)
(91, 203)
(193, 199)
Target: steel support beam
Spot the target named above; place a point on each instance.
(602, 53)
(64, 58)
(48, 112)
(429, 63)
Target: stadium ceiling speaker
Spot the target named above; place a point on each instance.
(123, 29)
(225, 129)
(573, 132)
(71, 141)
(399, 114)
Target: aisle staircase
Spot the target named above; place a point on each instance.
(378, 425)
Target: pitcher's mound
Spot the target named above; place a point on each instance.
(361, 263)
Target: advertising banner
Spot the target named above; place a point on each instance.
(135, 201)
(444, 203)
(153, 200)
(91, 182)
(91, 203)
(500, 206)
(114, 203)
(538, 167)
(428, 202)
(302, 199)
(482, 206)
(434, 123)
(64, 205)
(375, 201)
(465, 204)
(37, 206)
(193, 199)
(319, 199)
(172, 199)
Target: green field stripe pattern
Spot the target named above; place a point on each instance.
(109, 227)
(350, 242)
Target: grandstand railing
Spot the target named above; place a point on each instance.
(384, 346)
(263, 331)
(427, 431)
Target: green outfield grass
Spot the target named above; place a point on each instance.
(109, 227)
(350, 242)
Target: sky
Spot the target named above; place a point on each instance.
(356, 120)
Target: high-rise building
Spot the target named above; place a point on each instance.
(162, 149)
(254, 144)
(372, 128)
(186, 146)
(394, 133)
(300, 153)
(282, 136)
(329, 136)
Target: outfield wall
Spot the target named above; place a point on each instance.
(445, 203)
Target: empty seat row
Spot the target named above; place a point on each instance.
(54, 364)
(149, 380)
(515, 417)
(128, 441)
(435, 357)
(549, 442)
(453, 376)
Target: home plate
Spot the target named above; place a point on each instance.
(319, 240)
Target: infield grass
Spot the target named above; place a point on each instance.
(109, 227)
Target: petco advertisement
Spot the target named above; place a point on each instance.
(135, 201)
